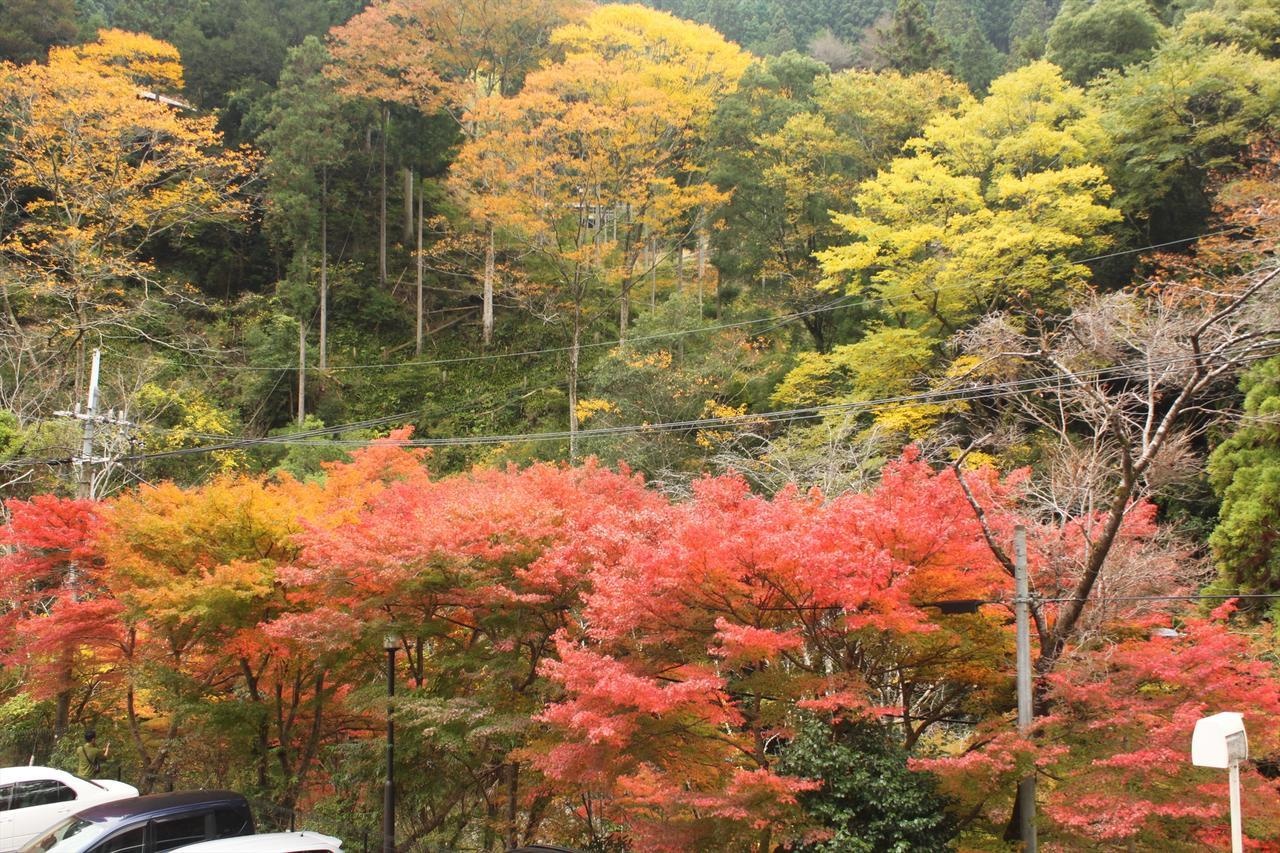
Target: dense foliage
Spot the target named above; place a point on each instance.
(869, 799)
(578, 344)
(602, 664)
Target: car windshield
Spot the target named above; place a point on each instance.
(70, 834)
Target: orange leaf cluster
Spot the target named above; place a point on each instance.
(638, 655)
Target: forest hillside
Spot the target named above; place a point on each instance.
(669, 379)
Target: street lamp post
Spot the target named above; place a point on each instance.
(390, 642)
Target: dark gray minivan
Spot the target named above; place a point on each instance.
(151, 824)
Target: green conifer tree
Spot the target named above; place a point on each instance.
(909, 43)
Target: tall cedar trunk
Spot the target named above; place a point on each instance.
(632, 251)
(382, 214)
(490, 840)
(489, 265)
(324, 268)
(417, 338)
(653, 273)
(702, 262)
(624, 311)
(407, 173)
(680, 266)
(78, 393)
(574, 349)
(302, 371)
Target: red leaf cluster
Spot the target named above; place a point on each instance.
(639, 659)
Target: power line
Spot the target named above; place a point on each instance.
(990, 391)
(972, 394)
(969, 605)
(842, 301)
(780, 319)
(300, 438)
(1213, 597)
(306, 438)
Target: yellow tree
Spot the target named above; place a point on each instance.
(95, 167)
(986, 210)
(663, 77)
(442, 55)
(535, 168)
(595, 154)
(811, 166)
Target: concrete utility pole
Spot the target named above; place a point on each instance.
(391, 642)
(87, 460)
(84, 489)
(1022, 606)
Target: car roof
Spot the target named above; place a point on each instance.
(160, 804)
(28, 773)
(270, 842)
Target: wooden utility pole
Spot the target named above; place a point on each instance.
(1022, 612)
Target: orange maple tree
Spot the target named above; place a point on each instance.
(98, 168)
(597, 661)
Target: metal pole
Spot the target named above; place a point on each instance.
(1022, 607)
(84, 489)
(389, 790)
(1237, 831)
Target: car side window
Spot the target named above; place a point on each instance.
(40, 792)
(6, 792)
(230, 823)
(130, 841)
(179, 831)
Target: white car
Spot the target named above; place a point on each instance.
(270, 842)
(34, 798)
